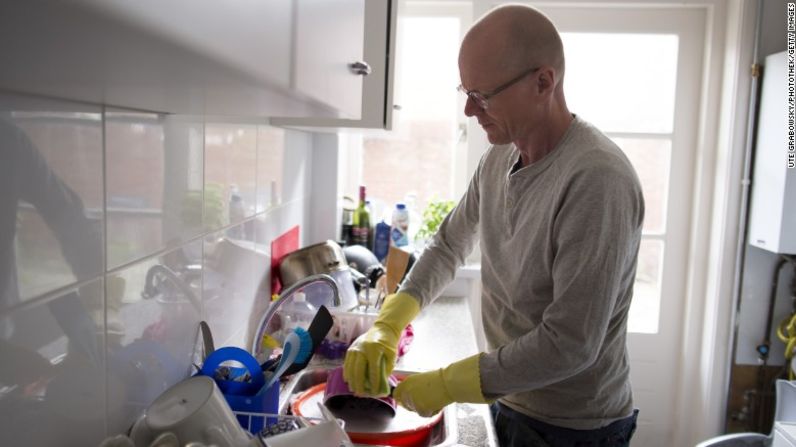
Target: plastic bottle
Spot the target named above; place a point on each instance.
(298, 312)
(414, 218)
(399, 233)
(381, 241)
(361, 230)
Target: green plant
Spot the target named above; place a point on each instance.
(433, 215)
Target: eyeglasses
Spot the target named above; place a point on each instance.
(482, 99)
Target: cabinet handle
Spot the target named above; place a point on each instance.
(359, 68)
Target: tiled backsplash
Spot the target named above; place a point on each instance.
(153, 178)
(118, 234)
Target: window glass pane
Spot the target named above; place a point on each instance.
(417, 158)
(646, 305)
(651, 158)
(622, 82)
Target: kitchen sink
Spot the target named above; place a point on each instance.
(442, 434)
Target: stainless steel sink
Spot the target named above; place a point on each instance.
(443, 434)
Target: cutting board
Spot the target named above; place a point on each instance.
(397, 260)
(280, 247)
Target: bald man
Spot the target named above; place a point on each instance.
(558, 211)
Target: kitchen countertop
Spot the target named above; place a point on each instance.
(443, 334)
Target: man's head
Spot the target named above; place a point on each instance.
(514, 53)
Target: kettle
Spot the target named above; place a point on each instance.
(322, 258)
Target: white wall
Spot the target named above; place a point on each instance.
(324, 215)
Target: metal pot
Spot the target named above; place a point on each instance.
(325, 257)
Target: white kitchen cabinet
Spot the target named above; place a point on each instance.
(376, 98)
(329, 36)
(249, 58)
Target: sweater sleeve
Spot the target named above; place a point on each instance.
(448, 248)
(595, 235)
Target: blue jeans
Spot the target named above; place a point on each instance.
(515, 429)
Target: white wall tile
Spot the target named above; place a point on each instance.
(50, 196)
(270, 163)
(230, 164)
(234, 271)
(52, 374)
(154, 186)
(167, 183)
(152, 330)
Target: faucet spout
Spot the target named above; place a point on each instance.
(286, 294)
(154, 277)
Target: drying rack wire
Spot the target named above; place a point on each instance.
(281, 423)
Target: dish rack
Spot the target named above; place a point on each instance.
(277, 424)
(347, 327)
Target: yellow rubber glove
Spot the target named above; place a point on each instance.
(429, 392)
(371, 358)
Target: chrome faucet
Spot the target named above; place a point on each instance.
(153, 288)
(287, 293)
(322, 277)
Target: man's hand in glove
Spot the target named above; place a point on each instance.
(371, 358)
(429, 392)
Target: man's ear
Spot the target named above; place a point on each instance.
(546, 80)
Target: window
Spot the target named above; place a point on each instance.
(422, 158)
(624, 82)
(639, 117)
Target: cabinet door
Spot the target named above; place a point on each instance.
(190, 57)
(377, 87)
(329, 38)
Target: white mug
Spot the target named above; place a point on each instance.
(192, 411)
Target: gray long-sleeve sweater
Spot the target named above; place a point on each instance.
(559, 245)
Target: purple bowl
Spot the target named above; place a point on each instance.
(338, 396)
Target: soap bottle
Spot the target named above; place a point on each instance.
(381, 240)
(298, 312)
(399, 234)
